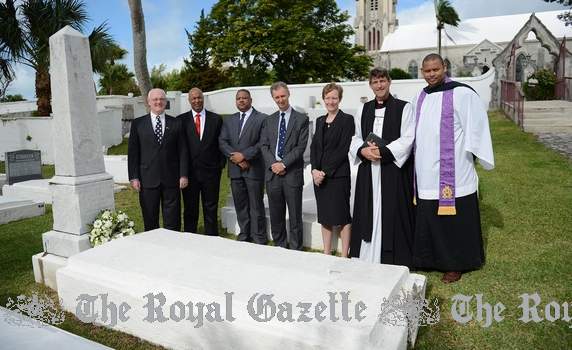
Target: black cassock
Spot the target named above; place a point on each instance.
(397, 217)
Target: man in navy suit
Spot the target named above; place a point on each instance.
(285, 136)
(202, 129)
(157, 163)
(239, 141)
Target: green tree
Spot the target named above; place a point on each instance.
(168, 81)
(12, 98)
(296, 40)
(10, 45)
(116, 79)
(28, 27)
(446, 14)
(198, 70)
(398, 73)
(566, 16)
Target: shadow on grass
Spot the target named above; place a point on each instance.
(490, 217)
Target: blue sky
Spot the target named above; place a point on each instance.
(166, 21)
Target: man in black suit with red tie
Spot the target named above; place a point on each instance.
(202, 129)
(157, 163)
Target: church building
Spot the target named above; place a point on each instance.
(468, 49)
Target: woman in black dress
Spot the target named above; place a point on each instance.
(331, 168)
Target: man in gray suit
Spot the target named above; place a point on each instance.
(284, 137)
(239, 141)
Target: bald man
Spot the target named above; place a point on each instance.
(202, 129)
(157, 163)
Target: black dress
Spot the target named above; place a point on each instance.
(329, 153)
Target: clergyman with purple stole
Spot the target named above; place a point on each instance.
(451, 132)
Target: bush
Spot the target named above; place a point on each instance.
(398, 73)
(540, 85)
(12, 98)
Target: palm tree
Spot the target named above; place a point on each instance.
(28, 28)
(139, 47)
(115, 78)
(445, 14)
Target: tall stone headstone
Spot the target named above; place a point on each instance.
(80, 188)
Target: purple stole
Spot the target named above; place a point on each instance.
(446, 151)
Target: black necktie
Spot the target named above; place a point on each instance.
(158, 130)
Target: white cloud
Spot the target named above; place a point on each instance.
(425, 11)
(166, 38)
(24, 84)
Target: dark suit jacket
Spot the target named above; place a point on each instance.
(296, 141)
(205, 158)
(248, 144)
(155, 164)
(332, 156)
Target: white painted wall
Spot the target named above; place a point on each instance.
(305, 96)
(14, 132)
(17, 107)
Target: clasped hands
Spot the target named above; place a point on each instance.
(238, 159)
(278, 168)
(318, 176)
(371, 152)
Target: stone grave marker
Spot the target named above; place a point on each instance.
(23, 165)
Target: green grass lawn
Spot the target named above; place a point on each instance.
(527, 226)
(119, 149)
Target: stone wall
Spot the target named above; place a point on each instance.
(309, 96)
(36, 133)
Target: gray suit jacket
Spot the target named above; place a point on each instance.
(248, 144)
(296, 141)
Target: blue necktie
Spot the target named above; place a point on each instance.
(159, 130)
(282, 135)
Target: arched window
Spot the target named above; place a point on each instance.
(378, 40)
(520, 63)
(369, 40)
(413, 69)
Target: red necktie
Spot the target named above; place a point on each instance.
(198, 124)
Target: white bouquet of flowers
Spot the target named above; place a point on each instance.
(110, 225)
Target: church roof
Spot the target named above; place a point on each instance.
(471, 31)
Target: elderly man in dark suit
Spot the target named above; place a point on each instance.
(202, 129)
(157, 163)
(285, 136)
(239, 141)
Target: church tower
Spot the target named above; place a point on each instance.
(374, 20)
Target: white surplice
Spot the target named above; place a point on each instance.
(401, 149)
(472, 137)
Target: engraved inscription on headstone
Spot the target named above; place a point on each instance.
(23, 165)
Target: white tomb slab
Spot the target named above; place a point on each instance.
(2, 181)
(37, 190)
(12, 209)
(116, 166)
(22, 332)
(182, 267)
